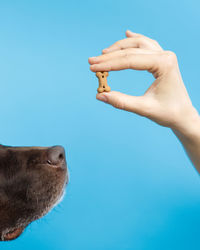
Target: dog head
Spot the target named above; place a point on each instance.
(32, 181)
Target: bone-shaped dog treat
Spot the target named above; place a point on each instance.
(103, 85)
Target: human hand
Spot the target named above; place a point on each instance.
(166, 101)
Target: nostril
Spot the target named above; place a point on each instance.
(56, 154)
(61, 156)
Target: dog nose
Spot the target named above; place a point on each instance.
(56, 155)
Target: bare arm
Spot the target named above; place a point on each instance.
(166, 101)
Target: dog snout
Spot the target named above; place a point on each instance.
(56, 155)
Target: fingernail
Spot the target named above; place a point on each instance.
(102, 98)
(91, 59)
(92, 67)
(105, 50)
(95, 59)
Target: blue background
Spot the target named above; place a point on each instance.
(131, 184)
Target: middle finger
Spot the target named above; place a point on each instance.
(119, 53)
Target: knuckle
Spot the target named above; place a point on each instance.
(143, 42)
(140, 40)
(171, 56)
(118, 44)
(129, 62)
(126, 53)
(155, 42)
(170, 59)
(138, 35)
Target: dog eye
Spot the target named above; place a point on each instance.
(49, 162)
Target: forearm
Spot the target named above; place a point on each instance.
(189, 135)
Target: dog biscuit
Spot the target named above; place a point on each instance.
(103, 85)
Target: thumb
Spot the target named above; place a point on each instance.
(135, 104)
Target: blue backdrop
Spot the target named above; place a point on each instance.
(131, 184)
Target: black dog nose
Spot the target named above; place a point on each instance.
(56, 155)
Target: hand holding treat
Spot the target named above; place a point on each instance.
(103, 85)
(166, 100)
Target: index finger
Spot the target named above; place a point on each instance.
(150, 62)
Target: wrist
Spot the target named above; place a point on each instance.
(188, 127)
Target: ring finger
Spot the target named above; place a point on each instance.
(134, 42)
